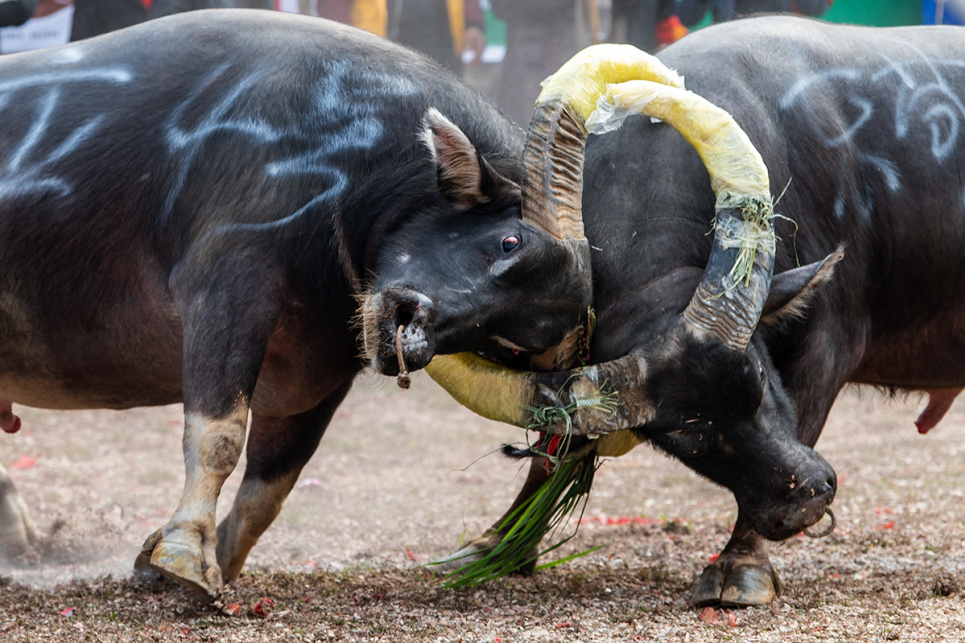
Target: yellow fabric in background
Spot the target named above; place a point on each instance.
(371, 15)
(457, 24)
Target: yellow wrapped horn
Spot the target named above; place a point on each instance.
(583, 79)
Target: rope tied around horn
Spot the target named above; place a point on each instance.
(753, 232)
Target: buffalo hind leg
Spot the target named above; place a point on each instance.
(278, 448)
(17, 532)
(481, 545)
(741, 576)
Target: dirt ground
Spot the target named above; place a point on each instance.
(401, 476)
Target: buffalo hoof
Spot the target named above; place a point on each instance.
(181, 562)
(143, 561)
(709, 587)
(740, 586)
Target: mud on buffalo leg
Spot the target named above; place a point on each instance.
(228, 319)
(741, 576)
(479, 546)
(278, 448)
(185, 548)
(17, 532)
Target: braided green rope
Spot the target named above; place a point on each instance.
(545, 416)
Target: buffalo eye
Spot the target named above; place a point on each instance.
(510, 243)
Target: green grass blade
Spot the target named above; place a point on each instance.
(546, 512)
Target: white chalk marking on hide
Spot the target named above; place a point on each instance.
(258, 129)
(18, 187)
(78, 136)
(22, 176)
(118, 75)
(67, 55)
(804, 84)
(278, 223)
(867, 110)
(839, 206)
(887, 169)
(354, 95)
(36, 131)
(924, 98)
(185, 144)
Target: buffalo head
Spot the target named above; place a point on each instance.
(477, 269)
(700, 384)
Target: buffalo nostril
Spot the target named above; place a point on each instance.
(404, 307)
(824, 489)
(405, 313)
(820, 490)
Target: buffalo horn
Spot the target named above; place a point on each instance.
(552, 190)
(728, 302)
(581, 401)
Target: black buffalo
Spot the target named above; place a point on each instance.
(207, 208)
(863, 132)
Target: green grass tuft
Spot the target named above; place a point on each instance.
(561, 497)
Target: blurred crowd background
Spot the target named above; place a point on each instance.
(502, 47)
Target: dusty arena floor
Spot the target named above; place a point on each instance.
(401, 476)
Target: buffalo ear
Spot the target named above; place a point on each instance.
(791, 291)
(465, 177)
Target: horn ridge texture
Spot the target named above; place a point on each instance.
(728, 302)
(553, 177)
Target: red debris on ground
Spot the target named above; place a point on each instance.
(621, 520)
(714, 617)
(263, 608)
(411, 556)
(24, 462)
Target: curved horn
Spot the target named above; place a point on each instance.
(552, 201)
(553, 157)
(731, 296)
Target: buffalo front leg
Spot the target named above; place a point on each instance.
(17, 532)
(185, 548)
(229, 312)
(278, 448)
(741, 576)
(482, 545)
